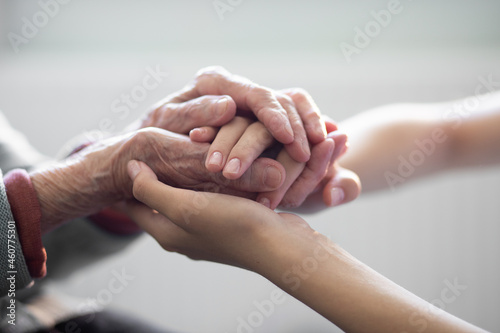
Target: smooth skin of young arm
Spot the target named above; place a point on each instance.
(243, 233)
(454, 134)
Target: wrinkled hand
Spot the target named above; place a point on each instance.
(235, 145)
(215, 95)
(96, 177)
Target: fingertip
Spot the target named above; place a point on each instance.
(331, 145)
(340, 140)
(343, 188)
(265, 202)
(335, 196)
(232, 170)
(203, 134)
(214, 162)
(225, 110)
(196, 134)
(139, 168)
(316, 132)
(330, 125)
(133, 169)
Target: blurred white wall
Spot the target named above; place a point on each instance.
(64, 79)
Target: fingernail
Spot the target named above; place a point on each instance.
(337, 196)
(265, 202)
(133, 169)
(272, 176)
(221, 106)
(215, 159)
(233, 166)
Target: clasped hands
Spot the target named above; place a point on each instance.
(208, 137)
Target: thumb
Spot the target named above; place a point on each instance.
(175, 204)
(343, 187)
(134, 168)
(146, 188)
(330, 124)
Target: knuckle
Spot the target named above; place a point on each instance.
(144, 137)
(262, 91)
(211, 71)
(167, 113)
(285, 100)
(300, 94)
(312, 116)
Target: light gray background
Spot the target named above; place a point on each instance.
(63, 82)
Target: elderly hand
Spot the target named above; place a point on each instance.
(215, 95)
(236, 144)
(96, 177)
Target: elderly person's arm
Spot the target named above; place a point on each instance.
(96, 177)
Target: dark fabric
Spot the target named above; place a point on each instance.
(105, 322)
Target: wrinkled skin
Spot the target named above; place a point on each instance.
(97, 176)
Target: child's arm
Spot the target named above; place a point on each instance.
(284, 249)
(393, 144)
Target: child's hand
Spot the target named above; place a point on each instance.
(211, 226)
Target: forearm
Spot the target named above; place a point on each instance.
(475, 123)
(81, 185)
(393, 144)
(355, 297)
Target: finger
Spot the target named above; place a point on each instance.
(340, 140)
(157, 225)
(344, 187)
(309, 113)
(173, 203)
(313, 174)
(299, 148)
(264, 175)
(185, 208)
(251, 144)
(203, 134)
(247, 95)
(201, 111)
(226, 139)
(330, 124)
(293, 169)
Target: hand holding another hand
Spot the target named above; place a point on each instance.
(96, 177)
(212, 226)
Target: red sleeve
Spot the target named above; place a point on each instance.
(27, 214)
